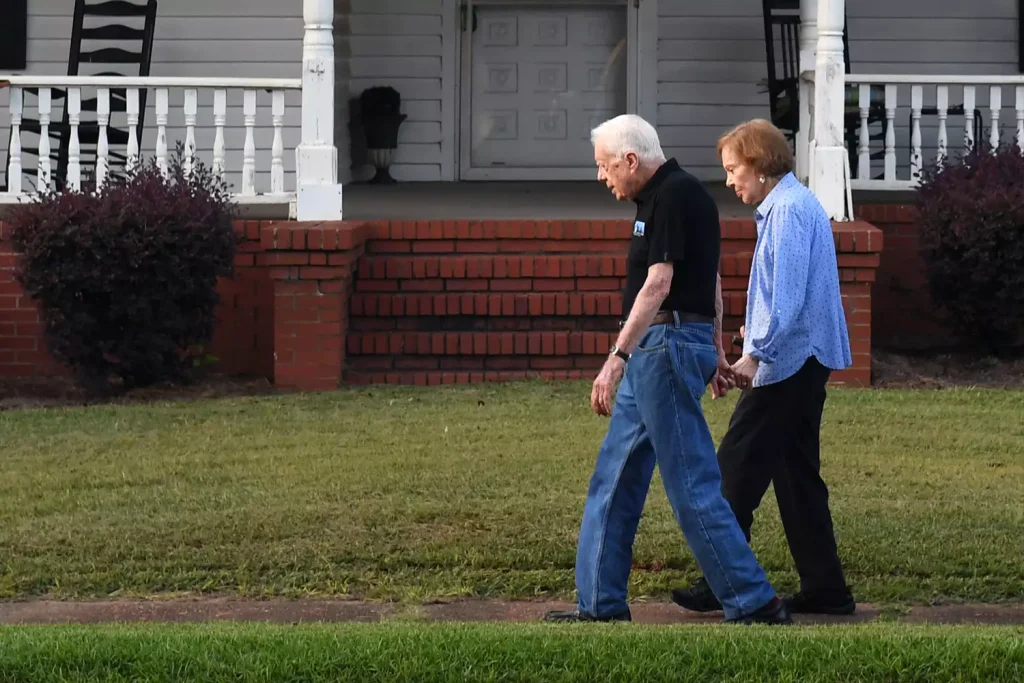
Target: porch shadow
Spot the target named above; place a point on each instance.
(576, 200)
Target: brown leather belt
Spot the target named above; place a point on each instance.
(679, 317)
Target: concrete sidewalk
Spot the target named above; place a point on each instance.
(201, 609)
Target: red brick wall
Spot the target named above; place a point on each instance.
(903, 315)
(444, 302)
(435, 302)
(243, 339)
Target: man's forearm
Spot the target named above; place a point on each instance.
(719, 343)
(647, 304)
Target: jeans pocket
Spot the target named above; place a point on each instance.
(697, 364)
(653, 340)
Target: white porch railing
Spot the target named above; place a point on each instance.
(159, 117)
(908, 144)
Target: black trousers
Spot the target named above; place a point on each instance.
(774, 436)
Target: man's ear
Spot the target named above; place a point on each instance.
(632, 160)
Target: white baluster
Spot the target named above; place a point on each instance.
(103, 144)
(916, 102)
(969, 117)
(1020, 117)
(277, 151)
(864, 148)
(249, 149)
(191, 110)
(15, 104)
(74, 146)
(45, 111)
(942, 105)
(995, 106)
(890, 131)
(133, 127)
(161, 129)
(220, 115)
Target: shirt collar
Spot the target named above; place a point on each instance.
(785, 183)
(656, 180)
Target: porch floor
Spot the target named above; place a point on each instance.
(579, 200)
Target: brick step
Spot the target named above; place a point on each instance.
(435, 230)
(437, 378)
(534, 343)
(521, 284)
(466, 363)
(506, 304)
(449, 266)
(858, 377)
(475, 323)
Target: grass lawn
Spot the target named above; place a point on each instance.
(540, 652)
(405, 493)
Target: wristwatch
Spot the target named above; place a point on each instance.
(616, 351)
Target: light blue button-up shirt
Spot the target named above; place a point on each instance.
(794, 307)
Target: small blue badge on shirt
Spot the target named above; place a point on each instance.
(638, 228)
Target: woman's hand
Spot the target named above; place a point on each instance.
(744, 370)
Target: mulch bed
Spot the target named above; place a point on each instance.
(59, 392)
(891, 371)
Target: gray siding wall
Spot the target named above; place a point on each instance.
(399, 43)
(225, 38)
(711, 58)
(710, 62)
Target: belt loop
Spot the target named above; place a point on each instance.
(675, 317)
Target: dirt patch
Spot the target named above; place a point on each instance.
(62, 392)
(890, 370)
(281, 611)
(947, 370)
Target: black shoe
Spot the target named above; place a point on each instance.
(570, 616)
(814, 603)
(697, 598)
(774, 613)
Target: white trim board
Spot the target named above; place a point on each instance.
(642, 84)
(451, 37)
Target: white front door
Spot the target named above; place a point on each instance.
(536, 80)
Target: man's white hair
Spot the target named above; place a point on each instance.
(629, 133)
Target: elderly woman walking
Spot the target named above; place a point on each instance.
(794, 335)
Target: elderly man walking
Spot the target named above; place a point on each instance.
(666, 354)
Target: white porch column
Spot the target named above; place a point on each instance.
(316, 158)
(808, 53)
(829, 176)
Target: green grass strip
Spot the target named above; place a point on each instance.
(536, 652)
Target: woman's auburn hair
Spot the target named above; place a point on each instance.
(761, 146)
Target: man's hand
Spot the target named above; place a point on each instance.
(605, 385)
(744, 370)
(743, 331)
(723, 380)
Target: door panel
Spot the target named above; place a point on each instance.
(541, 78)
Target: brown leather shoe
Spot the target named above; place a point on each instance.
(774, 613)
(814, 603)
(697, 598)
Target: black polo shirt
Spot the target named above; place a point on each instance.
(677, 221)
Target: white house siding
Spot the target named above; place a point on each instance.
(711, 58)
(218, 38)
(399, 43)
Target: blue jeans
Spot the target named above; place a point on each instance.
(658, 418)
